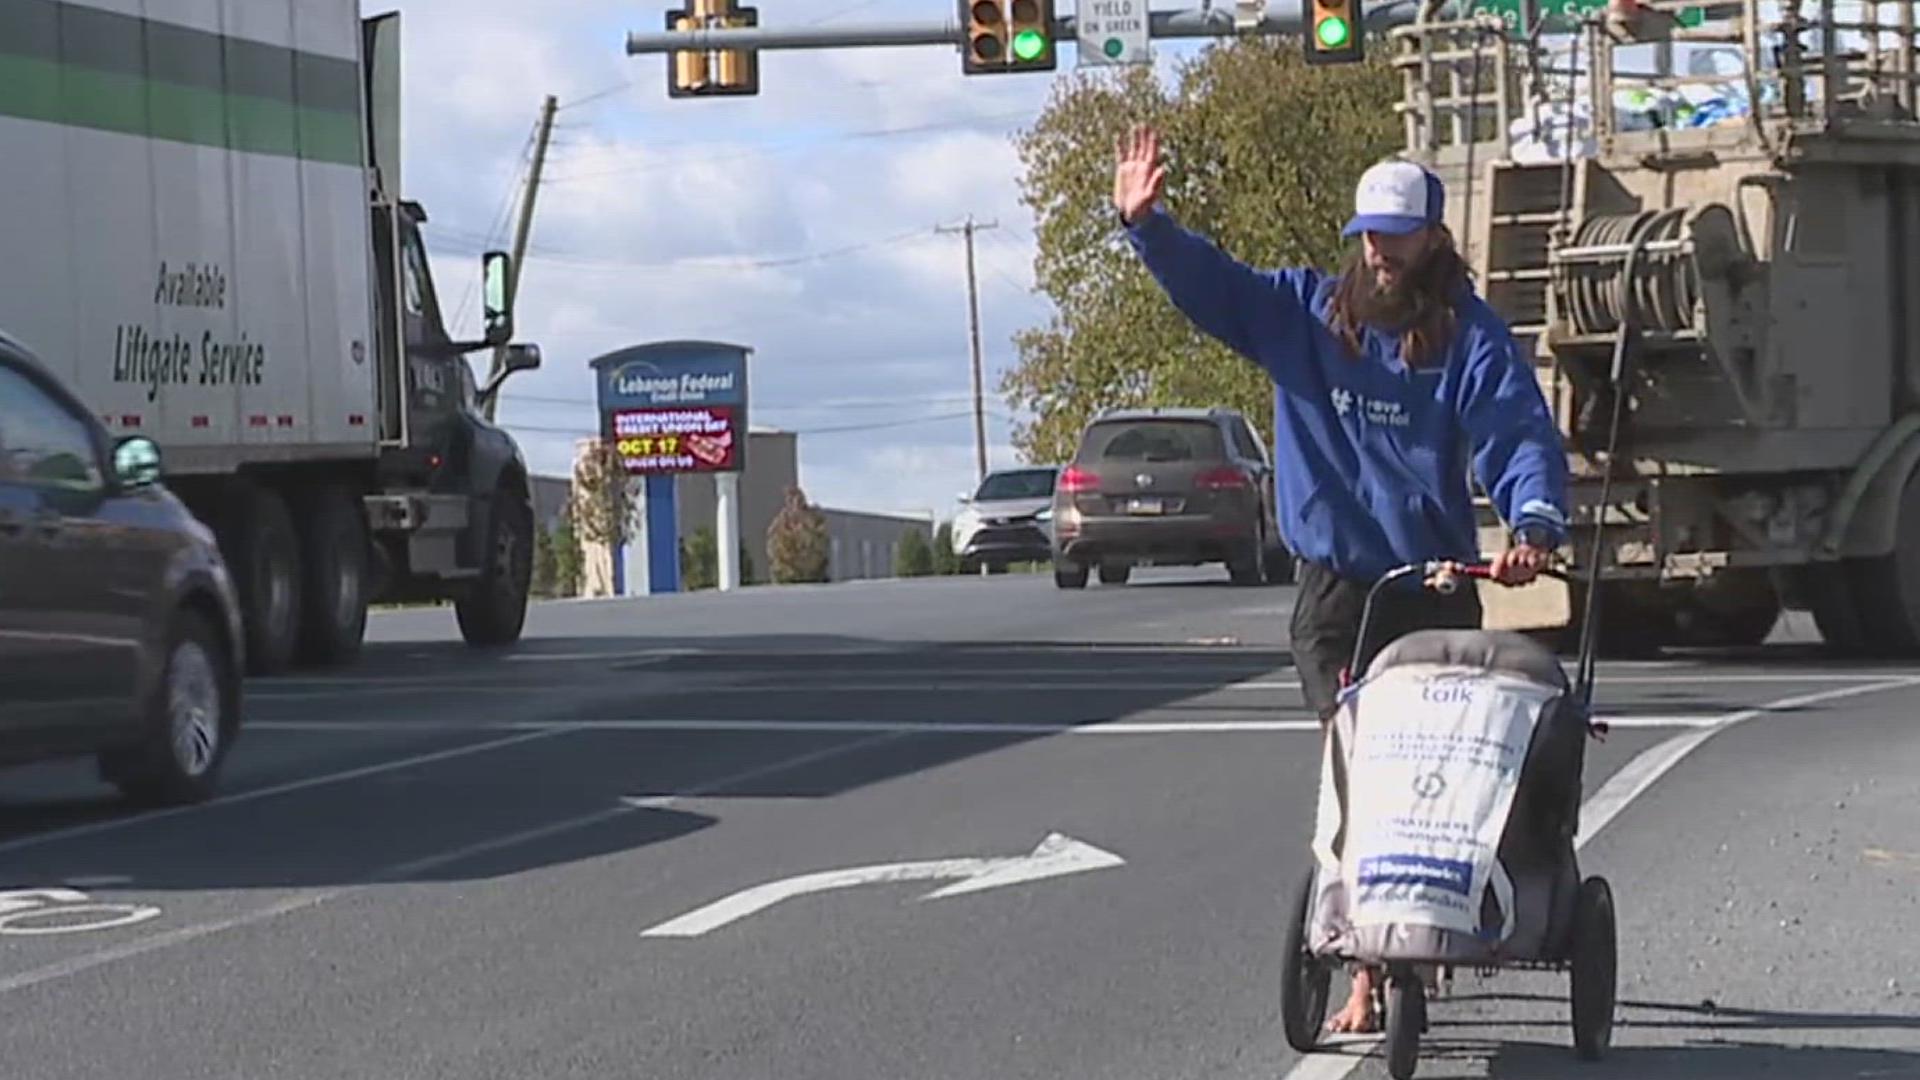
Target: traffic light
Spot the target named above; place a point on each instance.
(1008, 35)
(1334, 32)
(1031, 22)
(986, 37)
(716, 73)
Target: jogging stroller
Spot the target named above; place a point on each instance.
(1449, 802)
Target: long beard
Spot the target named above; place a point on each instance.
(1391, 308)
(1416, 308)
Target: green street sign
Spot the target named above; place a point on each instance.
(1562, 16)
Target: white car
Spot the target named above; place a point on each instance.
(1008, 519)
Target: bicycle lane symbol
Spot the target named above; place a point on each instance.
(64, 911)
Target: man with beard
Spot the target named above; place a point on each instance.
(1392, 379)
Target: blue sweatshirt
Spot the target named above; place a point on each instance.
(1372, 459)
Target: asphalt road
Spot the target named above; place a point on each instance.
(447, 864)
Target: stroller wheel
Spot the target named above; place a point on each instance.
(1406, 1019)
(1304, 978)
(1594, 959)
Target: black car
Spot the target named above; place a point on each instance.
(119, 633)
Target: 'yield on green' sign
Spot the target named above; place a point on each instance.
(1111, 32)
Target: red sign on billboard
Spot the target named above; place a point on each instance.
(661, 441)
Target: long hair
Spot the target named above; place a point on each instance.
(1420, 307)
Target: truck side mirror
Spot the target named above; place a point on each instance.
(516, 358)
(521, 358)
(494, 268)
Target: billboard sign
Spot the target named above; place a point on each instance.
(675, 406)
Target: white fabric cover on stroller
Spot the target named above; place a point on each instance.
(1449, 787)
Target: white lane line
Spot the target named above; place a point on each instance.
(309, 898)
(904, 682)
(1639, 774)
(921, 727)
(653, 656)
(113, 824)
(1596, 812)
(178, 936)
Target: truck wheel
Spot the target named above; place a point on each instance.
(494, 610)
(334, 618)
(1739, 610)
(1886, 589)
(1622, 633)
(1828, 589)
(264, 553)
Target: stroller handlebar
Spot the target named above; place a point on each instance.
(1440, 575)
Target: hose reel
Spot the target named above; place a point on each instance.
(1589, 273)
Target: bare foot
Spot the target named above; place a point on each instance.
(1357, 1017)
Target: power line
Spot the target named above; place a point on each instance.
(501, 217)
(913, 421)
(1008, 244)
(598, 95)
(773, 148)
(717, 262)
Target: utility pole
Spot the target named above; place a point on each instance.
(524, 226)
(973, 325)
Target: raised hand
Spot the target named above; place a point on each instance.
(1138, 174)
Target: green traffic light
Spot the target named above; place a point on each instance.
(1028, 44)
(1332, 32)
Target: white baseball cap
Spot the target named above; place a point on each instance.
(1396, 197)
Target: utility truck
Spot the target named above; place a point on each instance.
(1721, 238)
(202, 232)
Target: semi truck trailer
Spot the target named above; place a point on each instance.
(1702, 222)
(202, 231)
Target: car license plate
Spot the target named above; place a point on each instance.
(1146, 506)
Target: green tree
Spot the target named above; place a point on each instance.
(1262, 154)
(700, 562)
(945, 562)
(601, 504)
(914, 558)
(545, 565)
(797, 541)
(569, 562)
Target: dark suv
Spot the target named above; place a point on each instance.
(1168, 487)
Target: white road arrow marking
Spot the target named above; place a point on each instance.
(1055, 856)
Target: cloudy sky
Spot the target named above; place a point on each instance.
(799, 222)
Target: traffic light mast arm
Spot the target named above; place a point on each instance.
(1190, 23)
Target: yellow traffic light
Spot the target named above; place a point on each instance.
(1334, 32)
(717, 72)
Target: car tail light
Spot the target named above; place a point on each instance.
(1223, 479)
(1077, 480)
